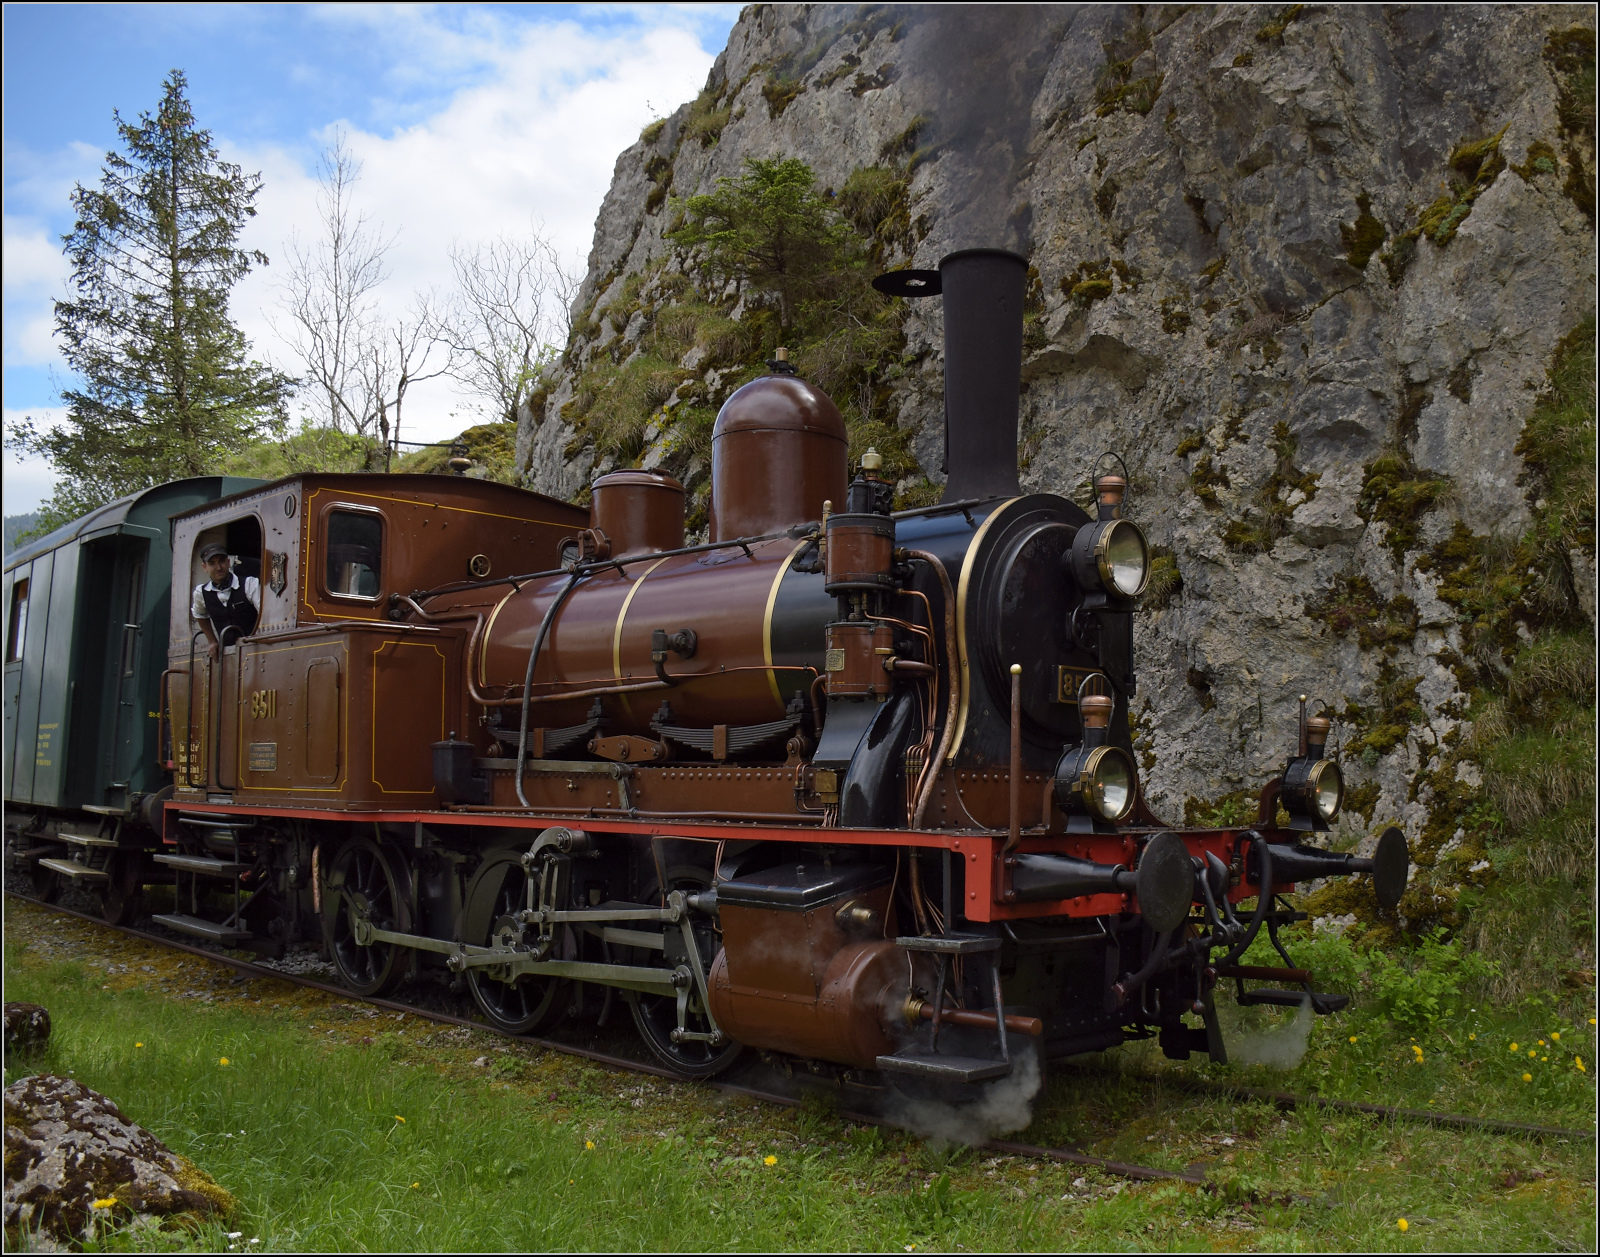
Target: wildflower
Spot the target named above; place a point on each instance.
(416, 1185)
(399, 1119)
(1473, 1037)
(223, 1061)
(1352, 1038)
(234, 1235)
(138, 1045)
(1533, 1051)
(1578, 1061)
(1591, 1021)
(1403, 1225)
(588, 1145)
(1527, 1077)
(1556, 1035)
(1541, 1043)
(105, 1202)
(1514, 1047)
(769, 1159)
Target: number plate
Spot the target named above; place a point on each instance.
(263, 757)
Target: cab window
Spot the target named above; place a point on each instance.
(17, 629)
(355, 553)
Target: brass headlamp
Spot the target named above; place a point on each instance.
(1093, 780)
(1111, 553)
(1313, 786)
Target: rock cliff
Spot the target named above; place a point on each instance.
(1306, 268)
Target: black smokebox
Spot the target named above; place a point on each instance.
(983, 294)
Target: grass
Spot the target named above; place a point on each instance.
(303, 1126)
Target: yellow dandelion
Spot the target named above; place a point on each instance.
(1473, 1037)
(571, 1181)
(769, 1159)
(223, 1061)
(588, 1145)
(1352, 1038)
(1556, 1035)
(1527, 1077)
(1544, 1058)
(105, 1202)
(399, 1119)
(1591, 1021)
(1541, 1043)
(1578, 1061)
(415, 1186)
(1533, 1052)
(1514, 1047)
(138, 1045)
(1403, 1225)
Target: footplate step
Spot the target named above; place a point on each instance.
(1322, 1002)
(946, 1068)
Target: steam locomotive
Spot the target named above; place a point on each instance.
(849, 785)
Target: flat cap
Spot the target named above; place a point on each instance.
(210, 551)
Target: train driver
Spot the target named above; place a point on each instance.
(227, 600)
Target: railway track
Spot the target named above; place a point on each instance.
(1285, 1100)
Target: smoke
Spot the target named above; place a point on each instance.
(1280, 1048)
(1002, 1106)
(973, 73)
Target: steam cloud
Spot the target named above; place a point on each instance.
(1005, 1105)
(1281, 1048)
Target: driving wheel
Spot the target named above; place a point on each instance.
(366, 882)
(496, 895)
(656, 1016)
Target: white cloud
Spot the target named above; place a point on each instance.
(493, 124)
(535, 142)
(28, 480)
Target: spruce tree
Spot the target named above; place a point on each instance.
(167, 385)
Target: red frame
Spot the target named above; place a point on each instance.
(982, 851)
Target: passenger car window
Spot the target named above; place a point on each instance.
(17, 629)
(355, 553)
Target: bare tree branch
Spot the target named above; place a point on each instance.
(359, 364)
(509, 319)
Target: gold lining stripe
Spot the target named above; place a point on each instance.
(483, 645)
(616, 633)
(967, 565)
(766, 620)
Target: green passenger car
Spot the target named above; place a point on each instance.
(85, 644)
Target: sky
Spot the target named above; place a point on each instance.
(470, 122)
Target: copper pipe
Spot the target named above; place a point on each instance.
(919, 906)
(1033, 1026)
(936, 764)
(1014, 833)
(1264, 972)
(818, 705)
(631, 687)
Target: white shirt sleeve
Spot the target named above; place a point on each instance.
(252, 591)
(197, 603)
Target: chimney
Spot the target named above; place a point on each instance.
(983, 293)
